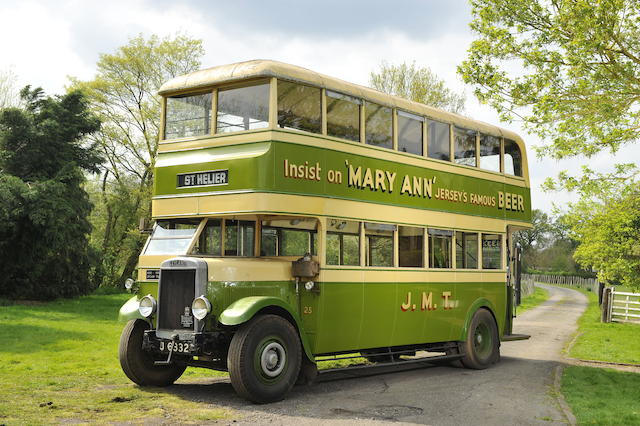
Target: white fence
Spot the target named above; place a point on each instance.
(590, 284)
(527, 285)
(624, 307)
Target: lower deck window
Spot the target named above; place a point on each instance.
(172, 236)
(379, 244)
(294, 237)
(343, 242)
(466, 250)
(239, 238)
(410, 246)
(440, 248)
(491, 251)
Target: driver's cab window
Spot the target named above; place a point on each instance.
(289, 237)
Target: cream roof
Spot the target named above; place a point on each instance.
(266, 68)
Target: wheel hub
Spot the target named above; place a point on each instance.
(272, 359)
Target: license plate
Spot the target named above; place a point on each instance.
(179, 347)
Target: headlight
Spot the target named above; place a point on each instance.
(128, 283)
(200, 307)
(147, 306)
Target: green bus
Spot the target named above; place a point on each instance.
(300, 217)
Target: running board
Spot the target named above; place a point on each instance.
(513, 337)
(427, 359)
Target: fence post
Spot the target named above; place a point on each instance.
(606, 305)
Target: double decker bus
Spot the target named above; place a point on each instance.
(300, 217)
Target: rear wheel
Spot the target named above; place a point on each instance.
(264, 359)
(482, 347)
(139, 365)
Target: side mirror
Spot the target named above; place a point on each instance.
(143, 226)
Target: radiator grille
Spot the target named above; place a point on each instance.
(177, 288)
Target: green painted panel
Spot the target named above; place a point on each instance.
(298, 169)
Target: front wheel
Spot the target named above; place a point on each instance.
(264, 359)
(138, 364)
(482, 347)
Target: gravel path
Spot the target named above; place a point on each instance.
(517, 391)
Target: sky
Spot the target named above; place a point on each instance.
(46, 42)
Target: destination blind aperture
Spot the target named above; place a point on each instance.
(209, 178)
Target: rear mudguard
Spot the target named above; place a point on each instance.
(480, 303)
(242, 310)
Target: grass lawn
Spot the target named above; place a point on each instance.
(602, 396)
(614, 342)
(532, 300)
(59, 364)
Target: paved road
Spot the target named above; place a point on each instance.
(517, 391)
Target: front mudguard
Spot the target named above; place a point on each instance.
(129, 310)
(242, 310)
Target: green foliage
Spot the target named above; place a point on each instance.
(602, 396)
(124, 95)
(569, 70)
(609, 232)
(417, 84)
(43, 207)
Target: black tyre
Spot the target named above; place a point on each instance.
(264, 359)
(138, 365)
(482, 347)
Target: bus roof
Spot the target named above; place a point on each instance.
(266, 68)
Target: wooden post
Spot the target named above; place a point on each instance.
(606, 301)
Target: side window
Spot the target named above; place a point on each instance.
(464, 146)
(343, 116)
(438, 140)
(343, 242)
(466, 250)
(244, 108)
(283, 237)
(410, 246)
(409, 133)
(491, 251)
(490, 153)
(188, 115)
(512, 158)
(299, 107)
(239, 237)
(440, 248)
(379, 244)
(210, 240)
(378, 125)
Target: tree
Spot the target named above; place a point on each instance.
(9, 96)
(124, 95)
(417, 84)
(43, 207)
(569, 70)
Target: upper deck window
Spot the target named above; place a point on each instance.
(490, 153)
(188, 115)
(512, 158)
(379, 125)
(438, 140)
(409, 133)
(299, 107)
(464, 148)
(343, 116)
(244, 108)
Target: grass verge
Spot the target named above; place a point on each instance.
(612, 342)
(602, 396)
(59, 364)
(531, 301)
